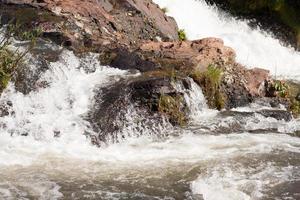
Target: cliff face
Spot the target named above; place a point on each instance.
(85, 23)
(281, 17)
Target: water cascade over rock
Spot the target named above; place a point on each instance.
(112, 102)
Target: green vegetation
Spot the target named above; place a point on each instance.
(281, 88)
(210, 80)
(182, 35)
(11, 59)
(293, 95)
(171, 106)
(288, 90)
(295, 107)
(164, 9)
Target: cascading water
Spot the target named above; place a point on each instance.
(254, 47)
(44, 153)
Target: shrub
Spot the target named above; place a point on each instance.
(164, 9)
(281, 88)
(210, 81)
(171, 106)
(9, 60)
(182, 35)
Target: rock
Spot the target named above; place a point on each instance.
(239, 86)
(196, 54)
(125, 59)
(277, 114)
(27, 76)
(143, 99)
(125, 35)
(73, 22)
(297, 97)
(255, 79)
(273, 102)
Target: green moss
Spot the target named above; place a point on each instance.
(8, 62)
(210, 81)
(182, 35)
(293, 92)
(167, 72)
(171, 106)
(295, 108)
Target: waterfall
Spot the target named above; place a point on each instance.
(237, 154)
(254, 47)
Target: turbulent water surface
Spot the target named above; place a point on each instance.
(218, 156)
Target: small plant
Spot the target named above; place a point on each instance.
(210, 81)
(295, 107)
(182, 35)
(31, 35)
(171, 106)
(165, 9)
(281, 88)
(11, 59)
(214, 74)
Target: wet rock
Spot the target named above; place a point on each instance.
(27, 76)
(297, 97)
(241, 86)
(125, 59)
(141, 96)
(238, 86)
(273, 113)
(274, 102)
(277, 114)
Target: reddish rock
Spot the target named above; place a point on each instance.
(99, 21)
(239, 85)
(196, 54)
(254, 80)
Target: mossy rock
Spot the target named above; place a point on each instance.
(294, 92)
(210, 81)
(173, 108)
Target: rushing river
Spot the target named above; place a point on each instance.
(233, 156)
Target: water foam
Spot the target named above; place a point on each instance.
(58, 107)
(254, 47)
(53, 110)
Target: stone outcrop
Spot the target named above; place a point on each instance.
(144, 100)
(95, 22)
(238, 84)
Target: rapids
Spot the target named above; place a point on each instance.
(217, 157)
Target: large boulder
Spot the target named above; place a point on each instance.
(143, 102)
(85, 24)
(237, 85)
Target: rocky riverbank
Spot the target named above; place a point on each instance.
(137, 35)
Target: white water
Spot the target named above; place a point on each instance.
(254, 48)
(217, 167)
